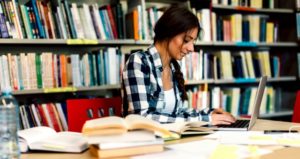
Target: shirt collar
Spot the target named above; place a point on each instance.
(156, 58)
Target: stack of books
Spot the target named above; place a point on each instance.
(120, 137)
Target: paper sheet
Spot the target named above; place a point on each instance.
(205, 149)
(256, 138)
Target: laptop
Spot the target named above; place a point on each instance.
(246, 124)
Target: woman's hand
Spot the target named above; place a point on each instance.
(219, 116)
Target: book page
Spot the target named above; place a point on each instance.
(61, 142)
(112, 122)
(188, 128)
(35, 134)
(175, 127)
(140, 122)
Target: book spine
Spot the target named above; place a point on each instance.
(3, 27)
(69, 18)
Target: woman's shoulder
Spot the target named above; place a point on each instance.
(138, 56)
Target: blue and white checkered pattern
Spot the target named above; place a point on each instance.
(142, 84)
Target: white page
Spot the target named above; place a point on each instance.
(204, 149)
(35, 134)
(62, 142)
(256, 138)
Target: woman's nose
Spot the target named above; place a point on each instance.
(190, 47)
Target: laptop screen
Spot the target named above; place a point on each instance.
(258, 98)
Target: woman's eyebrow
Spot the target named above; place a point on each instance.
(189, 36)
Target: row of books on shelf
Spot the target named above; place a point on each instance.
(225, 64)
(52, 115)
(236, 100)
(63, 116)
(237, 27)
(251, 3)
(26, 71)
(43, 20)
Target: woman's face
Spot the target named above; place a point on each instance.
(182, 44)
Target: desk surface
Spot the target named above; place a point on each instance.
(260, 125)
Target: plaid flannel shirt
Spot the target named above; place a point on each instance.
(143, 93)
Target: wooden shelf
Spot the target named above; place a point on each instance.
(118, 86)
(246, 44)
(69, 89)
(248, 9)
(133, 42)
(243, 80)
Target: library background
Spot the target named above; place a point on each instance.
(55, 51)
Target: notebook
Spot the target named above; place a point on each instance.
(247, 124)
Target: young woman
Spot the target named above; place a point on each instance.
(153, 83)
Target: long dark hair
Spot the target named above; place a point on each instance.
(174, 21)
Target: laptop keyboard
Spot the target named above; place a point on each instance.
(237, 124)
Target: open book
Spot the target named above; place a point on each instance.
(47, 139)
(188, 128)
(117, 125)
(114, 125)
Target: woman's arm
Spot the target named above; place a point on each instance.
(136, 83)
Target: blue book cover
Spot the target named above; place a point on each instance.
(106, 69)
(256, 65)
(98, 67)
(29, 116)
(3, 29)
(245, 31)
(21, 85)
(32, 3)
(263, 32)
(91, 71)
(105, 24)
(70, 19)
(219, 29)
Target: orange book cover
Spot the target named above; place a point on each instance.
(135, 24)
(63, 70)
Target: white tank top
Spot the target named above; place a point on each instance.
(170, 101)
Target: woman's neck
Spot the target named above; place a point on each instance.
(163, 52)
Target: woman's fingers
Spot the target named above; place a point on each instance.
(220, 113)
(222, 119)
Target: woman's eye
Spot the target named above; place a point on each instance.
(185, 41)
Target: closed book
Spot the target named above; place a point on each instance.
(122, 152)
(132, 25)
(128, 137)
(119, 18)
(69, 18)
(41, 31)
(112, 21)
(39, 66)
(3, 28)
(119, 144)
(26, 20)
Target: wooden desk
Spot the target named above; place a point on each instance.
(291, 153)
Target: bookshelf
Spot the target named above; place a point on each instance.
(68, 45)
